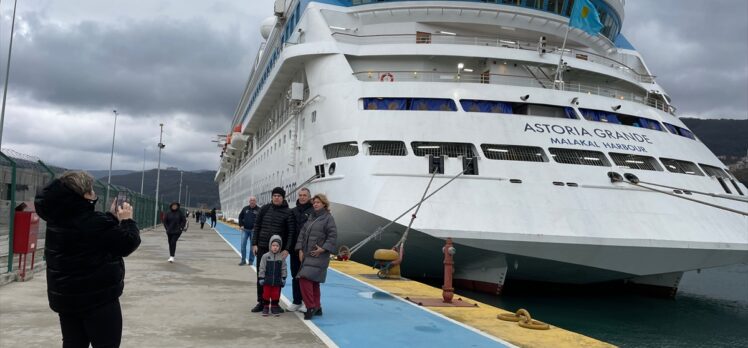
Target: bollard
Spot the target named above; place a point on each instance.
(447, 290)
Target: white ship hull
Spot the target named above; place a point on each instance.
(541, 221)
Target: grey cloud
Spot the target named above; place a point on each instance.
(149, 67)
(698, 50)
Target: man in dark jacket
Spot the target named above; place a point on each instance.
(247, 223)
(174, 223)
(273, 218)
(213, 218)
(84, 251)
(301, 213)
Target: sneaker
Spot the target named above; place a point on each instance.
(318, 311)
(276, 311)
(171, 259)
(257, 308)
(294, 307)
(242, 263)
(265, 311)
(302, 309)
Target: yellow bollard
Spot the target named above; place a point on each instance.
(384, 259)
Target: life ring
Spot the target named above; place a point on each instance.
(387, 77)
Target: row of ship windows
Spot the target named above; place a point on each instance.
(513, 108)
(529, 154)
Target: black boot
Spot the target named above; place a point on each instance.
(257, 308)
(309, 314)
(319, 311)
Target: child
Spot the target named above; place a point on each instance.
(202, 221)
(272, 276)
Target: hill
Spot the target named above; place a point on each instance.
(727, 138)
(102, 174)
(203, 190)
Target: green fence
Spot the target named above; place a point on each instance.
(22, 176)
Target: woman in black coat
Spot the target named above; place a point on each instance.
(174, 223)
(84, 250)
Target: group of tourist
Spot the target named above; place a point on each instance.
(307, 233)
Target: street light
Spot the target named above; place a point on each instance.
(7, 71)
(158, 171)
(181, 173)
(142, 178)
(111, 158)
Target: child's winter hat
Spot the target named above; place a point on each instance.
(275, 239)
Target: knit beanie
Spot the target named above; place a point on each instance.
(279, 191)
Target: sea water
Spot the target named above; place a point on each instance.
(710, 310)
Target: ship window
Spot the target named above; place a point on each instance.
(346, 149)
(625, 160)
(681, 167)
(432, 104)
(543, 110)
(415, 104)
(626, 120)
(680, 131)
(314, 116)
(385, 148)
(491, 106)
(514, 153)
(719, 174)
(581, 157)
(423, 148)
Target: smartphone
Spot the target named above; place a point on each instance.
(121, 198)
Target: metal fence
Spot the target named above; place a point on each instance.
(23, 176)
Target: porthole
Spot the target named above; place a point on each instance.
(331, 171)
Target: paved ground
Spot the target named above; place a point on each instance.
(202, 300)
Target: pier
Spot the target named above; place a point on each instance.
(203, 300)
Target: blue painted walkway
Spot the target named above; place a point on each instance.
(358, 315)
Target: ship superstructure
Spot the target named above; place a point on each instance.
(373, 96)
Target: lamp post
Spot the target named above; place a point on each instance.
(158, 171)
(7, 71)
(460, 66)
(111, 158)
(142, 178)
(179, 199)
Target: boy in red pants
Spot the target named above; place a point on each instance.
(272, 275)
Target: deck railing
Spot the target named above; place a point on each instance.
(569, 53)
(512, 80)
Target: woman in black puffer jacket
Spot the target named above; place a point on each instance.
(84, 250)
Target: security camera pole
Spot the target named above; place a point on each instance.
(158, 171)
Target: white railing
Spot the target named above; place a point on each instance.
(512, 80)
(569, 53)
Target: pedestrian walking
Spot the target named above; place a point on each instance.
(213, 215)
(202, 221)
(272, 276)
(174, 223)
(84, 251)
(301, 212)
(317, 240)
(247, 218)
(273, 219)
(198, 214)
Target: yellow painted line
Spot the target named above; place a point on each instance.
(482, 318)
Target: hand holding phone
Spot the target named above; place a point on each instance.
(121, 199)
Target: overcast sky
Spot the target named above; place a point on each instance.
(185, 63)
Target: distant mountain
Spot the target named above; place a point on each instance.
(99, 174)
(203, 190)
(728, 138)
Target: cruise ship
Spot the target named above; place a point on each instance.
(569, 163)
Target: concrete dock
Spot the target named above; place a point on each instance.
(202, 300)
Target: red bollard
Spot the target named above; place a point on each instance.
(448, 291)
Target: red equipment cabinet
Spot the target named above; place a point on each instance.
(25, 232)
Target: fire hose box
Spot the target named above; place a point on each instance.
(25, 232)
